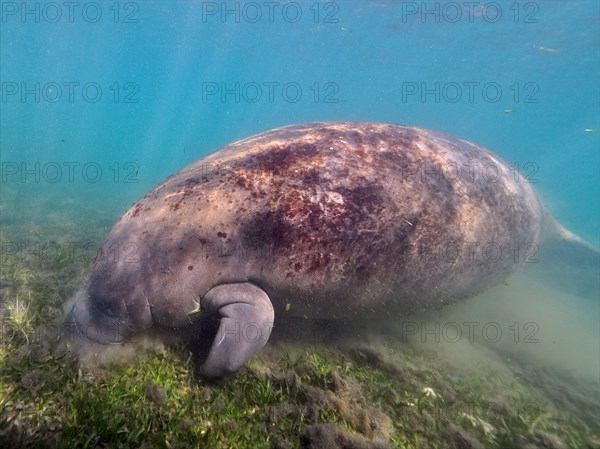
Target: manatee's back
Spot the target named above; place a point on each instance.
(329, 219)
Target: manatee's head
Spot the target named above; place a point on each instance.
(231, 323)
(89, 329)
(100, 314)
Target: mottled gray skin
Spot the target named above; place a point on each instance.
(328, 220)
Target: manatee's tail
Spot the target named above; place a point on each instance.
(567, 261)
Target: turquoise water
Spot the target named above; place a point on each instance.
(164, 67)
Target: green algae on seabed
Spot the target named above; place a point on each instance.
(354, 395)
(313, 400)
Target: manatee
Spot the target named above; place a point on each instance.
(319, 220)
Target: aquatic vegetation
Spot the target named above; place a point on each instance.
(278, 401)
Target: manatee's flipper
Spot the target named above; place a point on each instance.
(246, 320)
(567, 261)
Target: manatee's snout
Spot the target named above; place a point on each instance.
(88, 329)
